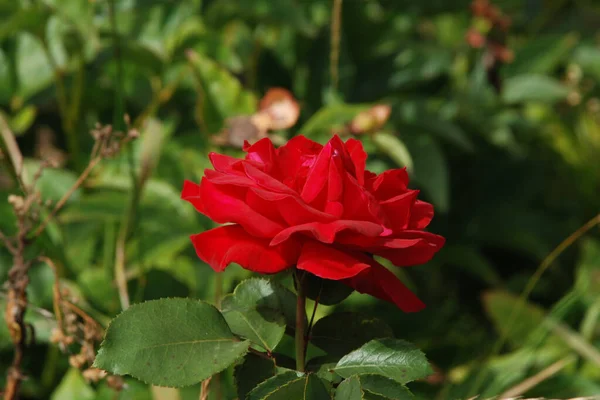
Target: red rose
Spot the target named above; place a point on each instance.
(316, 208)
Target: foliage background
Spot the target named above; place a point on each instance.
(512, 172)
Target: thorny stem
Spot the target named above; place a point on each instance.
(300, 321)
(16, 306)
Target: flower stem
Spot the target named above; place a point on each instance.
(300, 321)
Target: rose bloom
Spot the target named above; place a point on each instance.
(315, 208)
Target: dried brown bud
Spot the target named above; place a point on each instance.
(281, 106)
(475, 39)
(240, 129)
(93, 374)
(115, 382)
(370, 120)
(17, 202)
(574, 98)
(77, 361)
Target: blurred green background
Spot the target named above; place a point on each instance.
(495, 111)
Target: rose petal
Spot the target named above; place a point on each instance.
(299, 152)
(390, 183)
(329, 263)
(383, 284)
(265, 180)
(222, 162)
(403, 249)
(293, 210)
(326, 232)
(317, 176)
(191, 194)
(264, 153)
(421, 215)
(226, 203)
(359, 158)
(221, 246)
(398, 209)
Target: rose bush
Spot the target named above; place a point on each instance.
(316, 208)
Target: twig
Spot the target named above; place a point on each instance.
(538, 378)
(56, 297)
(266, 356)
(204, 389)
(84, 175)
(16, 306)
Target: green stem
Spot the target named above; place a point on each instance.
(300, 321)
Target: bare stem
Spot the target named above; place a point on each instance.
(300, 321)
(334, 55)
(16, 307)
(538, 378)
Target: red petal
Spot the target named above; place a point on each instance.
(265, 180)
(359, 204)
(299, 152)
(264, 153)
(398, 209)
(225, 203)
(326, 232)
(403, 249)
(223, 163)
(390, 184)
(359, 158)
(317, 176)
(381, 283)
(191, 194)
(329, 263)
(420, 215)
(221, 246)
(293, 210)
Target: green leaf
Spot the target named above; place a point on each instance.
(393, 147)
(221, 94)
(541, 55)
(169, 342)
(363, 387)
(251, 372)
(393, 358)
(34, 71)
(534, 88)
(340, 333)
(73, 387)
(291, 385)
(255, 311)
(588, 272)
(511, 319)
(350, 389)
(329, 118)
(323, 366)
(21, 121)
(431, 169)
(588, 57)
(329, 292)
(385, 387)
